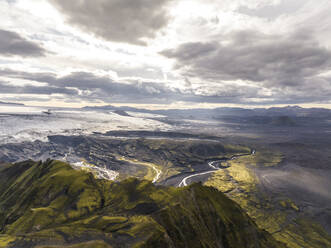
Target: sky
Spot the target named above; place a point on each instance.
(166, 53)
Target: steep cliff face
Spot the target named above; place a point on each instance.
(52, 205)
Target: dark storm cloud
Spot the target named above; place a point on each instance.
(117, 20)
(13, 44)
(273, 61)
(89, 86)
(6, 88)
(192, 50)
(87, 81)
(92, 87)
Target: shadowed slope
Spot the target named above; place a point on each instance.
(52, 205)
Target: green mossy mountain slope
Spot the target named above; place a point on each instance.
(52, 205)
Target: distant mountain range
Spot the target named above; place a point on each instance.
(290, 111)
(11, 103)
(122, 113)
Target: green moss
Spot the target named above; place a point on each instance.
(51, 203)
(280, 218)
(90, 244)
(171, 156)
(5, 240)
(308, 235)
(236, 176)
(264, 158)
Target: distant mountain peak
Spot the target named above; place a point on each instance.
(11, 103)
(293, 107)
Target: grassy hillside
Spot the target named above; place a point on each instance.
(52, 205)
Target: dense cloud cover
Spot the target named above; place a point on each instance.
(117, 20)
(289, 67)
(12, 44)
(282, 61)
(89, 86)
(30, 89)
(93, 87)
(256, 52)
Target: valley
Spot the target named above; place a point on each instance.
(276, 172)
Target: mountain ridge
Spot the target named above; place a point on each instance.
(223, 111)
(11, 103)
(50, 204)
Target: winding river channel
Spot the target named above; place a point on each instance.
(214, 167)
